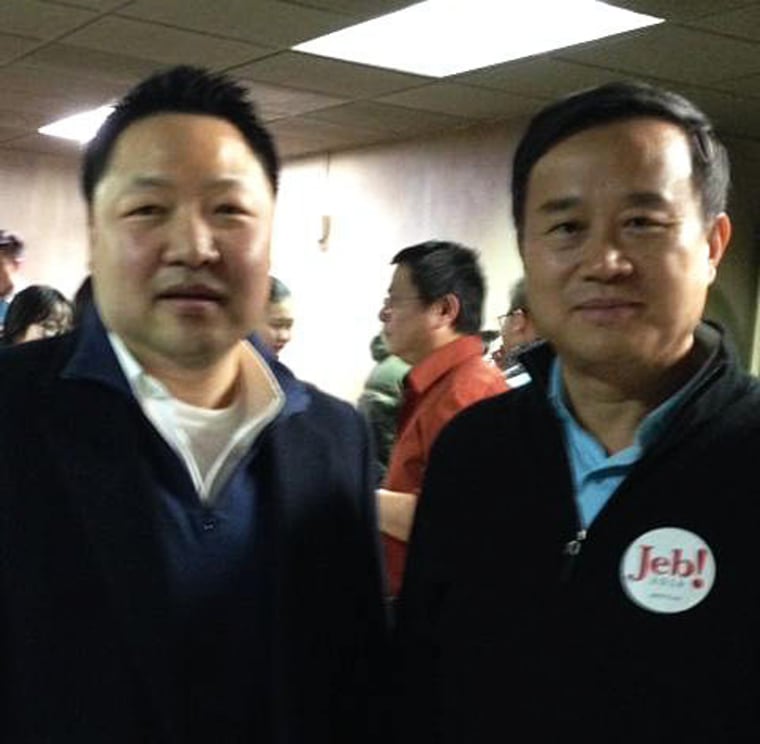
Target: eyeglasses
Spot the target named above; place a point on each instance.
(518, 312)
(391, 302)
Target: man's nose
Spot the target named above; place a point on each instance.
(191, 240)
(604, 256)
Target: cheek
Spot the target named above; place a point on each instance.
(123, 255)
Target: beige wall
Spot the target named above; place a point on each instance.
(378, 200)
(39, 200)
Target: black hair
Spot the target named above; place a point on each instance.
(438, 268)
(83, 298)
(620, 101)
(518, 297)
(31, 305)
(278, 291)
(186, 90)
(10, 244)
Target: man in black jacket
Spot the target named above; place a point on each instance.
(602, 587)
(188, 544)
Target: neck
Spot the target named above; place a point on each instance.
(612, 409)
(213, 385)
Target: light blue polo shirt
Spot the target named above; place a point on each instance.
(596, 475)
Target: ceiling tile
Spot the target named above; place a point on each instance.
(266, 22)
(303, 136)
(670, 52)
(55, 83)
(35, 109)
(166, 45)
(309, 72)
(91, 63)
(461, 100)
(363, 9)
(678, 9)
(14, 46)
(8, 133)
(13, 118)
(387, 119)
(39, 143)
(748, 86)
(743, 23)
(733, 115)
(276, 102)
(542, 77)
(102, 6)
(41, 20)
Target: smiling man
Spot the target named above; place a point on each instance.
(607, 574)
(166, 574)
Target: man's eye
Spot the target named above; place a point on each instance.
(568, 227)
(145, 210)
(643, 222)
(230, 208)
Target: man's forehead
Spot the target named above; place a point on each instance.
(653, 133)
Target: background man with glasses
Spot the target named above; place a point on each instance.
(518, 334)
(431, 319)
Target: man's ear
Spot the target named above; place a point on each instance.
(718, 238)
(91, 238)
(448, 309)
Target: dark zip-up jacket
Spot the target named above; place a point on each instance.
(503, 635)
(131, 613)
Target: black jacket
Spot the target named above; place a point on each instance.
(504, 636)
(87, 650)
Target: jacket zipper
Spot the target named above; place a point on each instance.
(571, 551)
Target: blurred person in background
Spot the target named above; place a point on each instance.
(431, 319)
(518, 334)
(39, 311)
(380, 400)
(275, 328)
(11, 252)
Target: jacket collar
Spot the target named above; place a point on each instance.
(438, 363)
(94, 359)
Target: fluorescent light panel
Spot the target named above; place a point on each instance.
(446, 37)
(80, 127)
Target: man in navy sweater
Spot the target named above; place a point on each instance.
(188, 544)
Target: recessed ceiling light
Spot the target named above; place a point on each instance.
(80, 127)
(446, 37)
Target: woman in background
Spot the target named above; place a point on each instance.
(39, 311)
(276, 329)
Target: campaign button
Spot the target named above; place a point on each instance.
(667, 570)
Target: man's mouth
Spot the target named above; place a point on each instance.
(192, 292)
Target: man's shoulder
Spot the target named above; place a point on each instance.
(476, 378)
(326, 408)
(41, 358)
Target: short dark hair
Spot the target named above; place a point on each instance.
(31, 305)
(83, 298)
(518, 297)
(438, 268)
(184, 90)
(10, 244)
(278, 290)
(620, 101)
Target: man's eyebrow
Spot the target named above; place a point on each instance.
(636, 199)
(139, 182)
(646, 199)
(152, 181)
(559, 204)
